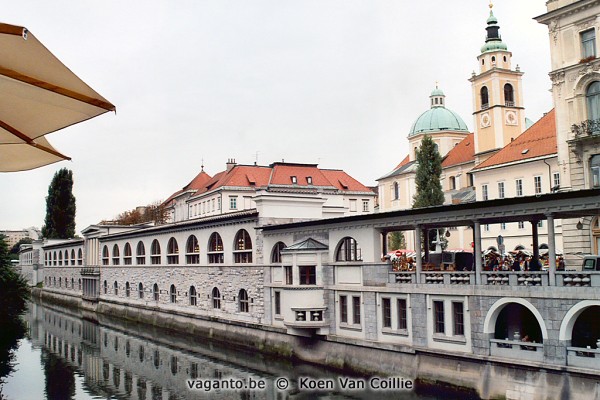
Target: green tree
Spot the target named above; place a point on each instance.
(429, 171)
(429, 187)
(60, 207)
(396, 241)
(15, 293)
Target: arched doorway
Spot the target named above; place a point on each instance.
(586, 330)
(517, 322)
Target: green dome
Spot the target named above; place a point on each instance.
(437, 92)
(494, 46)
(438, 119)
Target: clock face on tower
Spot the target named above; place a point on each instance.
(485, 120)
(511, 118)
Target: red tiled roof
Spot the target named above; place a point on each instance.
(255, 176)
(343, 181)
(403, 162)
(463, 152)
(196, 184)
(537, 141)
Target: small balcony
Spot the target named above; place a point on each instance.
(586, 128)
(583, 357)
(90, 271)
(308, 318)
(516, 349)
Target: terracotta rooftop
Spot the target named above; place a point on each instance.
(293, 175)
(537, 141)
(462, 153)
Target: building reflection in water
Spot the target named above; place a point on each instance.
(140, 362)
(124, 362)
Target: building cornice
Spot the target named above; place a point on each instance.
(512, 163)
(565, 11)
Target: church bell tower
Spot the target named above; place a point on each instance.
(498, 115)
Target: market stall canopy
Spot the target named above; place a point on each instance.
(38, 95)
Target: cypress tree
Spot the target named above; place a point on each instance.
(429, 187)
(60, 207)
(429, 171)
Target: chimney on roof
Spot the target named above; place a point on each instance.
(230, 163)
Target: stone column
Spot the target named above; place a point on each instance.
(551, 251)
(535, 239)
(419, 267)
(477, 251)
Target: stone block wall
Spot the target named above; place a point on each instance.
(228, 279)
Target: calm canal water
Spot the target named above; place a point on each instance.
(70, 355)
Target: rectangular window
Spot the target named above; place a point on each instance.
(503, 226)
(555, 180)
(486, 227)
(537, 183)
(308, 275)
(588, 43)
(365, 205)
(277, 303)
(438, 317)
(213, 205)
(353, 205)
(233, 203)
(218, 203)
(356, 310)
(484, 192)
(540, 224)
(386, 310)
(457, 311)
(521, 225)
(595, 176)
(500, 190)
(288, 275)
(401, 304)
(344, 309)
(519, 187)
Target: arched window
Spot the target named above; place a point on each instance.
(127, 254)
(140, 253)
(66, 257)
(127, 289)
(105, 255)
(115, 255)
(79, 257)
(215, 249)
(193, 296)
(105, 287)
(396, 191)
(484, 97)
(141, 290)
(243, 301)
(172, 252)
(216, 298)
(116, 288)
(348, 250)
(173, 294)
(73, 257)
(72, 283)
(276, 252)
(155, 252)
(192, 250)
(242, 247)
(60, 259)
(155, 292)
(59, 282)
(509, 95)
(593, 101)
(54, 259)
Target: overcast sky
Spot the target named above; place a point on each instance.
(333, 82)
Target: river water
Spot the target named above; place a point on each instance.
(68, 354)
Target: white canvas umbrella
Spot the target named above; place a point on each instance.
(38, 95)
